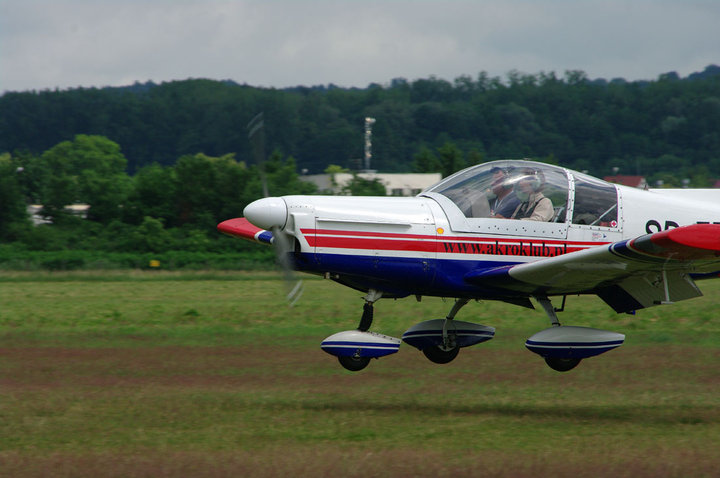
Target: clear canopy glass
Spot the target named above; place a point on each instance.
(499, 188)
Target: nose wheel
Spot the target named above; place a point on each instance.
(355, 348)
(354, 364)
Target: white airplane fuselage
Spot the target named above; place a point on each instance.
(408, 246)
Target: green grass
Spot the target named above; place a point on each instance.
(223, 308)
(205, 374)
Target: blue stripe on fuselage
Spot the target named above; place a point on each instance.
(403, 275)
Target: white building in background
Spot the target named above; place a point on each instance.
(396, 184)
(35, 210)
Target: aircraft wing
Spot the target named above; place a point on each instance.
(241, 227)
(629, 275)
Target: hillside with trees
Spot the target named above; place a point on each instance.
(161, 164)
(669, 125)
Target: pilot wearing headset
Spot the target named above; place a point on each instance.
(534, 206)
(502, 198)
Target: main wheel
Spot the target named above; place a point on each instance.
(354, 364)
(437, 355)
(562, 364)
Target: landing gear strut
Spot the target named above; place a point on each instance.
(367, 317)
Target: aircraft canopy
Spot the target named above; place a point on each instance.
(576, 197)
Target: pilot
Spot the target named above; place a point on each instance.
(503, 200)
(534, 206)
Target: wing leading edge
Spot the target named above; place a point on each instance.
(628, 275)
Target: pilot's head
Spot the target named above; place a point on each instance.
(529, 181)
(501, 182)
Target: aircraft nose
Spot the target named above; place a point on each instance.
(266, 213)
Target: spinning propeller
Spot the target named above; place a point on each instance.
(271, 213)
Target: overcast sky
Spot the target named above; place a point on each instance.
(47, 44)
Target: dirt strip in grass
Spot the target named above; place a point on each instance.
(277, 411)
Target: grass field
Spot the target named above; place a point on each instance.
(208, 374)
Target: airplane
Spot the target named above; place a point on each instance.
(510, 230)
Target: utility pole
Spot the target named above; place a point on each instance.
(368, 143)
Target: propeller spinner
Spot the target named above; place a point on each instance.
(267, 213)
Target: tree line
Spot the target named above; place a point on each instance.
(158, 209)
(670, 125)
(161, 165)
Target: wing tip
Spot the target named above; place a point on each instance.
(242, 228)
(689, 242)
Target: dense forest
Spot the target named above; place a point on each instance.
(643, 127)
(160, 164)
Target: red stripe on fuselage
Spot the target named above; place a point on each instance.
(392, 235)
(379, 241)
(372, 244)
(395, 235)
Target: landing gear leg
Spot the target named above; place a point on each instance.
(549, 310)
(367, 315)
(448, 350)
(559, 364)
